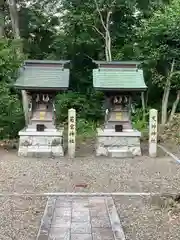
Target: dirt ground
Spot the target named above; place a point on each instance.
(141, 219)
(141, 174)
(173, 148)
(145, 218)
(20, 217)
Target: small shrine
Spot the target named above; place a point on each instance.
(119, 81)
(40, 81)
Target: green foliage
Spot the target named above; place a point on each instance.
(140, 119)
(86, 129)
(159, 42)
(11, 114)
(68, 30)
(88, 107)
(159, 48)
(10, 60)
(38, 29)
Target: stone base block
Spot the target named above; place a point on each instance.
(41, 144)
(118, 144)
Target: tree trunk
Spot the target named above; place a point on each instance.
(109, 47)
(14, 18)
(1, 18)
(108, 36)
(174, 107)
(166, 95)
(25, 105)
(106, 33)
(165, 105)
(147, 98)
(143, 105)
(106, 50)
(15, 27)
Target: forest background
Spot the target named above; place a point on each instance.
(80, 31)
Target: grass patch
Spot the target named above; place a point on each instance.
(86, 129)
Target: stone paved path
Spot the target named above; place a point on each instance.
(75, 218)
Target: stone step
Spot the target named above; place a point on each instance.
(41, 151)
(120, 153)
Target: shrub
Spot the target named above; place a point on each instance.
(11, 113)
(86, 128)
(10, 59)
(140, 120)
(88, 107)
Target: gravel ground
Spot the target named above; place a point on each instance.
(141, 174)
(20, 217)
(144, 218)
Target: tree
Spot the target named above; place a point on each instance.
(16, 32)
(160, 47)
(1, 18)
(106, 34)
(11, 118)
(14, 18)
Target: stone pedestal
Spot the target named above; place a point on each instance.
(118, 144)
(48, 143)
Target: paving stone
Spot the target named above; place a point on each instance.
(100, 222)
(63, 203)
(97, 200)
(84, 211)
(74, 218)
(60, 222)
(102, 234)
(81, 237)
(80, 227)
(65, 218)
(80, 204)
(59, 234)
(65, 198)
(80, 217)
(100, 205)
(61, 212)
(114, 219)
(46, 220)
(43, 237)
(98, 213)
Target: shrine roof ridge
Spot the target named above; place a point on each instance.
(117, 62)
(46, 61)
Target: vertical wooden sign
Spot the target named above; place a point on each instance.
(153, 121)
(71, 132)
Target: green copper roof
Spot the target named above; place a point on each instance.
(36, 74)
(118, 79)
(117, 62)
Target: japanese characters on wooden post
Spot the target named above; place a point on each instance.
(71, 132)
(153, 133)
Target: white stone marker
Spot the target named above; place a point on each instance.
(153, 121)
(71, 132)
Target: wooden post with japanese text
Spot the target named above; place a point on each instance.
(153, 122)
(71, 132)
